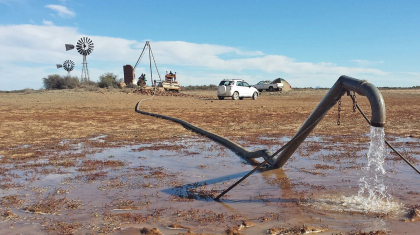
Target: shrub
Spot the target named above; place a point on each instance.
(56, 81)
(108, 80)
(70, 82)
(133, 86)
(28, 90)
(210, 87)
(51, 82)
(89, 83)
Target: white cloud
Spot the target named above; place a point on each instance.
(30, 52)
(62, 11)
(47, 22)
(367, 62)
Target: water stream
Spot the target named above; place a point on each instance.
(372, 196)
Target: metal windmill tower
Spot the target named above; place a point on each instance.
(84, 46)
(68, 65)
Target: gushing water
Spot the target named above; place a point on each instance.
(372, 196)
(372, 191)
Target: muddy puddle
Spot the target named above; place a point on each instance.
(167, 185)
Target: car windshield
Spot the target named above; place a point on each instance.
(245, 84)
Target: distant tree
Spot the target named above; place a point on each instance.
(70, 82)
(210, 87)
(56, 81)
(51, 82)
(108, 80)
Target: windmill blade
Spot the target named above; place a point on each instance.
(59, 66)
(90, 46)
(85, 46)
(68, 65)
(69, 47)
(79, 46)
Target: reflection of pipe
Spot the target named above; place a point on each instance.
(343, 84)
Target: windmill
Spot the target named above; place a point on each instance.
(68, 65)
(84, 46)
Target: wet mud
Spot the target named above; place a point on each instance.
(167, 187)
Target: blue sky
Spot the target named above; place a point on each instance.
(308, 43)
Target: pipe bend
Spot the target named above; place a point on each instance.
(377, 104)
(372, 93)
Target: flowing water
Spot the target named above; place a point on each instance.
(373, 196)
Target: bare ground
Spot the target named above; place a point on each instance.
(46, 118)
(34, 126)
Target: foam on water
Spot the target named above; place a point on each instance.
(372, 196)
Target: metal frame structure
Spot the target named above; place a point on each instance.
(151, 56)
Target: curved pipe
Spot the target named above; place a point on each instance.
(343, 84)
(372, 93)
(238, 149)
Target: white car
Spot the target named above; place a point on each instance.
(237, 89)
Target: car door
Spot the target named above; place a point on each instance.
(240, 88)
(247, 89)
(260, 85)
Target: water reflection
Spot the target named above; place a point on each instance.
(317, 186)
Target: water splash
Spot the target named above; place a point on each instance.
(372, 197)
(372, 188)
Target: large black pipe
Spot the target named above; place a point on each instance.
(343, 84)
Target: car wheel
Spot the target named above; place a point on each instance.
(221, 97)
(270, 89)
(260, 90)
(241, 98)
(235, 96)
(255, 96)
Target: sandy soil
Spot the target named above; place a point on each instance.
(39, 128)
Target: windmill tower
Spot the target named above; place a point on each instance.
(68, 65)
(84, 46)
